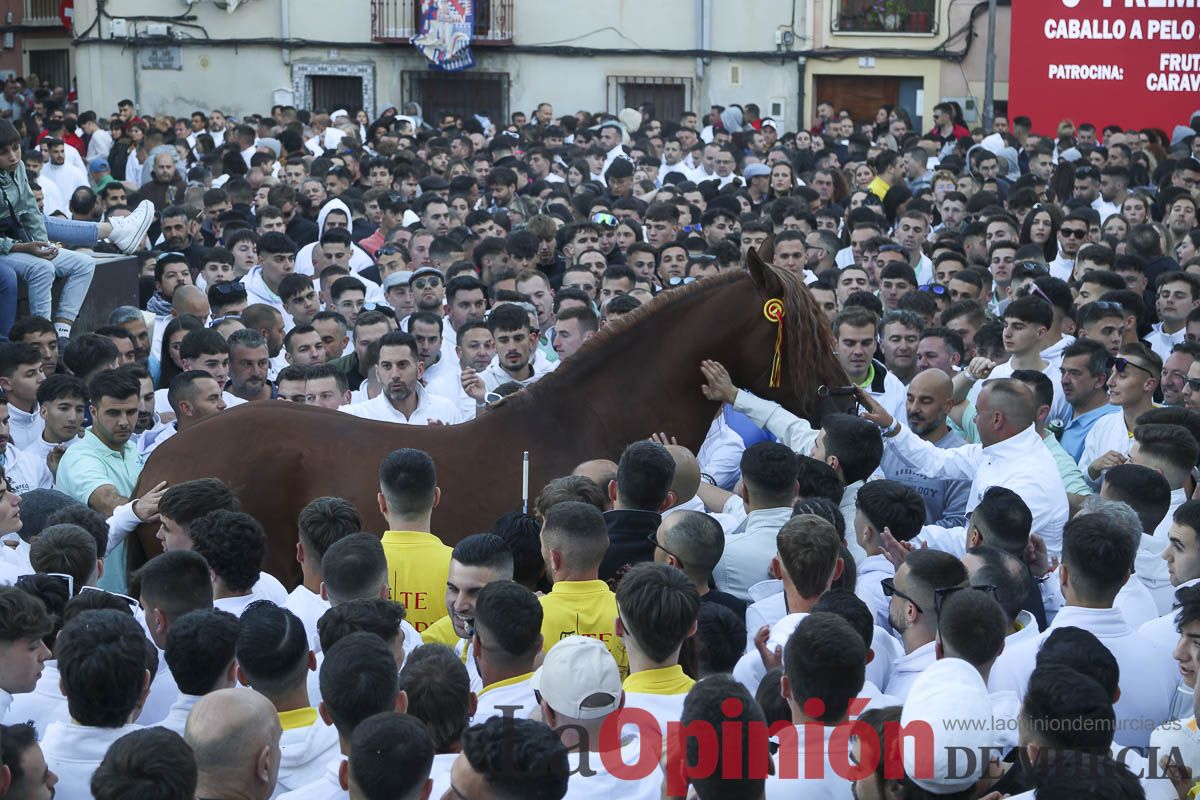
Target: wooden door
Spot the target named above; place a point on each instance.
(860, 94)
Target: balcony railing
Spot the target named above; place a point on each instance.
(885, 16)
(42, 12)
(400, 20)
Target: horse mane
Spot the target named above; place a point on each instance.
(808, 342)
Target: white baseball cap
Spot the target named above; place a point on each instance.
(579, 669)
(952, 698)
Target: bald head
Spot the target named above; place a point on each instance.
(687, 473)
(693, 538)
(929, 401)
(190, 300)
(234, 734)
(932, 382)
(1006, 407)
(601, 470)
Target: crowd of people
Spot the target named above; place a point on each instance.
(1000, 549)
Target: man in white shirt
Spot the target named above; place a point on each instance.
(1182, 555)
(824, 663)
(173, 584)
(186, 502)
(515, 349)
(322, 522)
(506, 643)
(403, 399)
(1135, 375)
(23, 623)
(856, 331)
(200, 655)
(768, 488)
(441, 372)
(359, 680)
(898, 508)
(1010, 453)
(656, 611)
(1096, 560)
(579, 687)
(102, 660)
(1178, 296)
(67, 177)
(233, 544)
(20, 376)
(274, 660)
(391, 755)
(277, 259)
(923, 575)
(1026, 323)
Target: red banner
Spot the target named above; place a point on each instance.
(1134, 63)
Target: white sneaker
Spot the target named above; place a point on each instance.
(128, 232)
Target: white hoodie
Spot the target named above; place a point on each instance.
(73, 752)
(304, 754)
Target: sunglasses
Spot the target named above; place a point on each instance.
(933, 288)
(225, 288)
(693, 229)
(427, 283)
(889, 590)
(1120, 364)
(652, 538)
(891, 248)
(678, 281)
(492, 398)
(605, 220)
(387, 250)
(1193, 384)
(1034, 267)
(26, 582)
(1109, 305)
(169, 254)
(1073, 233)
(940, 595)
(129, 601)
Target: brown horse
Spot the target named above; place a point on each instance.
(638, 377)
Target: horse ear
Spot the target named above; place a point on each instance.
(763, 274)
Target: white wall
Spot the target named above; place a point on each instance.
(242, 80)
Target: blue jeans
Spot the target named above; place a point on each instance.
(72, 233)
(39, 274)
(8, 299)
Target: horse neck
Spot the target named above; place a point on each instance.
(647, 381)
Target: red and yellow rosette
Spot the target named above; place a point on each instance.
(773, 311)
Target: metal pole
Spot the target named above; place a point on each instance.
(989, 75)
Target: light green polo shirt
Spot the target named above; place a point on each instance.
(85, 467)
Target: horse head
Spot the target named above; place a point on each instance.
(791, 335)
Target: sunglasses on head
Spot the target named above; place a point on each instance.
(693, 229)
(387, 250)
(227, 288)
(170, 254)
(1034, 267)
(940, 595)
(933, 288)
(1120, 364)
(605, 220)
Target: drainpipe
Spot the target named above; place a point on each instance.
(285, 30)
(801, 63)
(701, 24)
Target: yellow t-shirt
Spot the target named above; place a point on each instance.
(418, 564)
(441, 632)
(583, 608)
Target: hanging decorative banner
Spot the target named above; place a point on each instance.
(445, 37)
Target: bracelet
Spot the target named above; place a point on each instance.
(709, 479)
(891, 431)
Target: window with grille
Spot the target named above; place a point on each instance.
(331, 92)
(461, 93)
(669, 96)
(51, 65)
